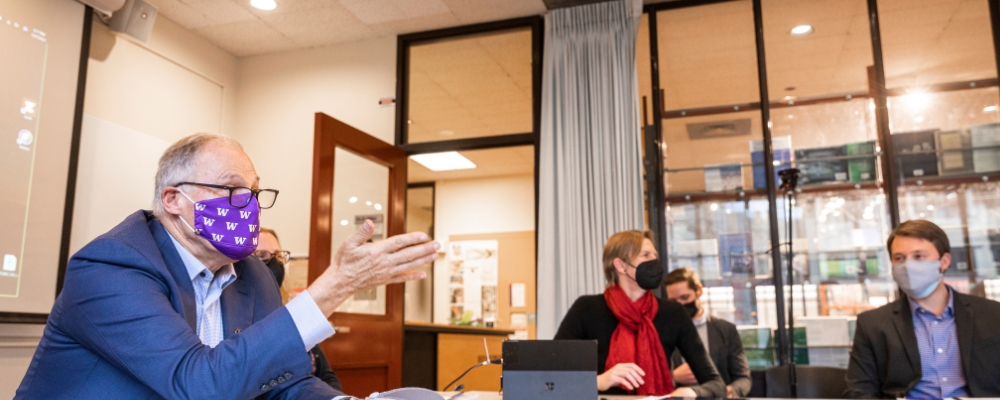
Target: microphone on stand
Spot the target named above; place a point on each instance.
(488, 361)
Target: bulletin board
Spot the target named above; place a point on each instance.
(516, 264)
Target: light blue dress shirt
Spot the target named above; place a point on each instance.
(941, 375)
(312, 325)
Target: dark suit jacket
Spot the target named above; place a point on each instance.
(124, 328)
(885, 361)
(726, 350)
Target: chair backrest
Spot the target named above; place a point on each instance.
(814, 382)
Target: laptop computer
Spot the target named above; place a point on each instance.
(549, 369)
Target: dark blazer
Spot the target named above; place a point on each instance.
(124, 328)
(590, 319)
(726, 350)
(885, 360)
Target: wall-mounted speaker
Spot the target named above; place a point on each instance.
(134, 20)
(105, 7)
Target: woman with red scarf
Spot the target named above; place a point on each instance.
(635, 331)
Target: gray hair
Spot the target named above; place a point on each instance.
(177, 162)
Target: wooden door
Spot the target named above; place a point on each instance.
(354, 172)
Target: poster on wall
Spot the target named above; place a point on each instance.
(473, 273)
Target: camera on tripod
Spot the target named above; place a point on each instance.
(789, 179)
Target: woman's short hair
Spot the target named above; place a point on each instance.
(625, 245)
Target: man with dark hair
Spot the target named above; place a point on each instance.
(719, 337)
(933, 343)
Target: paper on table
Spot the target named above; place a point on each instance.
(517, 295)
(656, 398)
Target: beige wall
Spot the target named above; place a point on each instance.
(471, 206)
(139, 99)
(278, 97)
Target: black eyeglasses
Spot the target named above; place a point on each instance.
(238, 195)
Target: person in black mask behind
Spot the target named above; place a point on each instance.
(719, 336)
(635, 331)
(269, 251)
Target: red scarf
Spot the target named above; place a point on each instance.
(636, 341)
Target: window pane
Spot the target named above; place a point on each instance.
(717, 215)
(470, 86)
(936, 41)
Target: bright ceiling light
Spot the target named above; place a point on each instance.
(266, 5)
(990, 109)
(802, 30)
(343, 222)
(353, 200)
(378, 206)
(443, 161)
(917, 100)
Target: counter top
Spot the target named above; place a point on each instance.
(470, 330)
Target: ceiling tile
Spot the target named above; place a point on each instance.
(476, 11)
(372, 12)
(418, 24)
(220, 12)
(181, 13)
(320, 27)
(246, 38)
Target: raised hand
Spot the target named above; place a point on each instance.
(358, 265)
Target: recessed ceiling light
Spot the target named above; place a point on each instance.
(378, 206)
(266, 5)
(802, 30)
(353, 200)
(990, 109)
(443, 161)
(343, 222)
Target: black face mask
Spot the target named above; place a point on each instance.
(691, 308)
(277, 268)
(648, 274)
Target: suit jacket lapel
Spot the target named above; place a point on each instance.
(903, 321)
(237, 302)
(965, 321)
(177, 269)
(716, 340)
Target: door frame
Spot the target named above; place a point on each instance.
(331, 133)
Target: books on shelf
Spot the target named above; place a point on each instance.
(723, 177)
(828, 339)
(735, 254)
(955, 157)
(861, 169)
(915, 153)
(699, 255)
(781, 146)
(758, 345)
(829, 165)
(985, 135)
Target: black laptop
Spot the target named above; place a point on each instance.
(549, 369)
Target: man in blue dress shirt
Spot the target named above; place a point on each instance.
(933, 343)
(171, 304)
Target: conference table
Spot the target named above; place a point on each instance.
(480, 395)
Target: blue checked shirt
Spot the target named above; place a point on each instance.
(940, 362)
(312, 325)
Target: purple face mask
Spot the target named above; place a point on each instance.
(232, 231)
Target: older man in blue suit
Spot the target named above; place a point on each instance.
(170, 304)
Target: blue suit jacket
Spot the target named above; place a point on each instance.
(124, 328)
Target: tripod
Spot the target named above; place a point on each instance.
(789, 181)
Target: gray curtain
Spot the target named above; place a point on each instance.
(591, 161)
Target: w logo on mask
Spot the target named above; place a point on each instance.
(254, 241)
(240, 240)
(217, 237)
(223, 211)
(199, 207)
(245, 214)
(207, 221)
(231, 225)
(252, 227)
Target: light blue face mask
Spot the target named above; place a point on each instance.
(917, 278)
